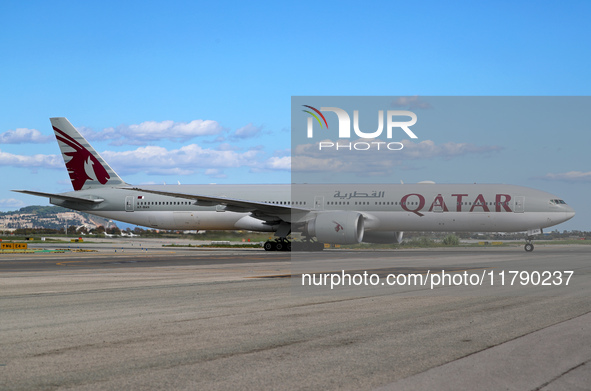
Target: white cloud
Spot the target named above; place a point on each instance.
(157, 160)
(41, 161)
(328, 164)
(169, 171)
(147, 131)
(308, 157)
(279, 163)
(23, 136)
(228, 147)
(428, 149)
(150, 131)
(104, 135)
(571, 176)
(182, 161)
(11, 203)
(248, 131)
(411, 102)
(412, 150)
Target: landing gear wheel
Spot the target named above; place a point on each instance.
(269, 246)
(280, 244)
(529, 247)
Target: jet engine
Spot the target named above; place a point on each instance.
(337, 227)
(382, 237)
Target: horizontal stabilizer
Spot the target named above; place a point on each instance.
(62, 197)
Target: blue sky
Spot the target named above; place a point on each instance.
(199, 92)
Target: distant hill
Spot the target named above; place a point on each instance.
(51, 217)
(37, 209)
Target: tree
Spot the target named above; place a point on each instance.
(451, 240)
(114, 231)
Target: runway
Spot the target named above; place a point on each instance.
(167, 318)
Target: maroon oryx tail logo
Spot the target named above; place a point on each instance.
(82, 165)
(337, 227)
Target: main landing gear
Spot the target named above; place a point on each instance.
(283, 244)
(279, 244)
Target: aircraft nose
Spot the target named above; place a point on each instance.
(569, 213)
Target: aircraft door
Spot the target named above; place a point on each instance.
(319, 203)
(519, 206)
(129, 203)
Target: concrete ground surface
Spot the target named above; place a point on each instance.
(227, 319)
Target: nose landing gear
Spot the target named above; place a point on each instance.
(529, 246)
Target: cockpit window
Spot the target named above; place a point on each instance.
(558, 202)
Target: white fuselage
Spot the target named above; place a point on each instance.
(387, 207)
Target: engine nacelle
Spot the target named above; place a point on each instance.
(337, 227)
(382, 237)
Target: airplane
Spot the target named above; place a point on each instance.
(128, 235)
(322, 213)
(109, 235)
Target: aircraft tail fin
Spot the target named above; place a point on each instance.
(86, 167)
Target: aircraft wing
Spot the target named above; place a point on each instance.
(62, 197)
(232, 204)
